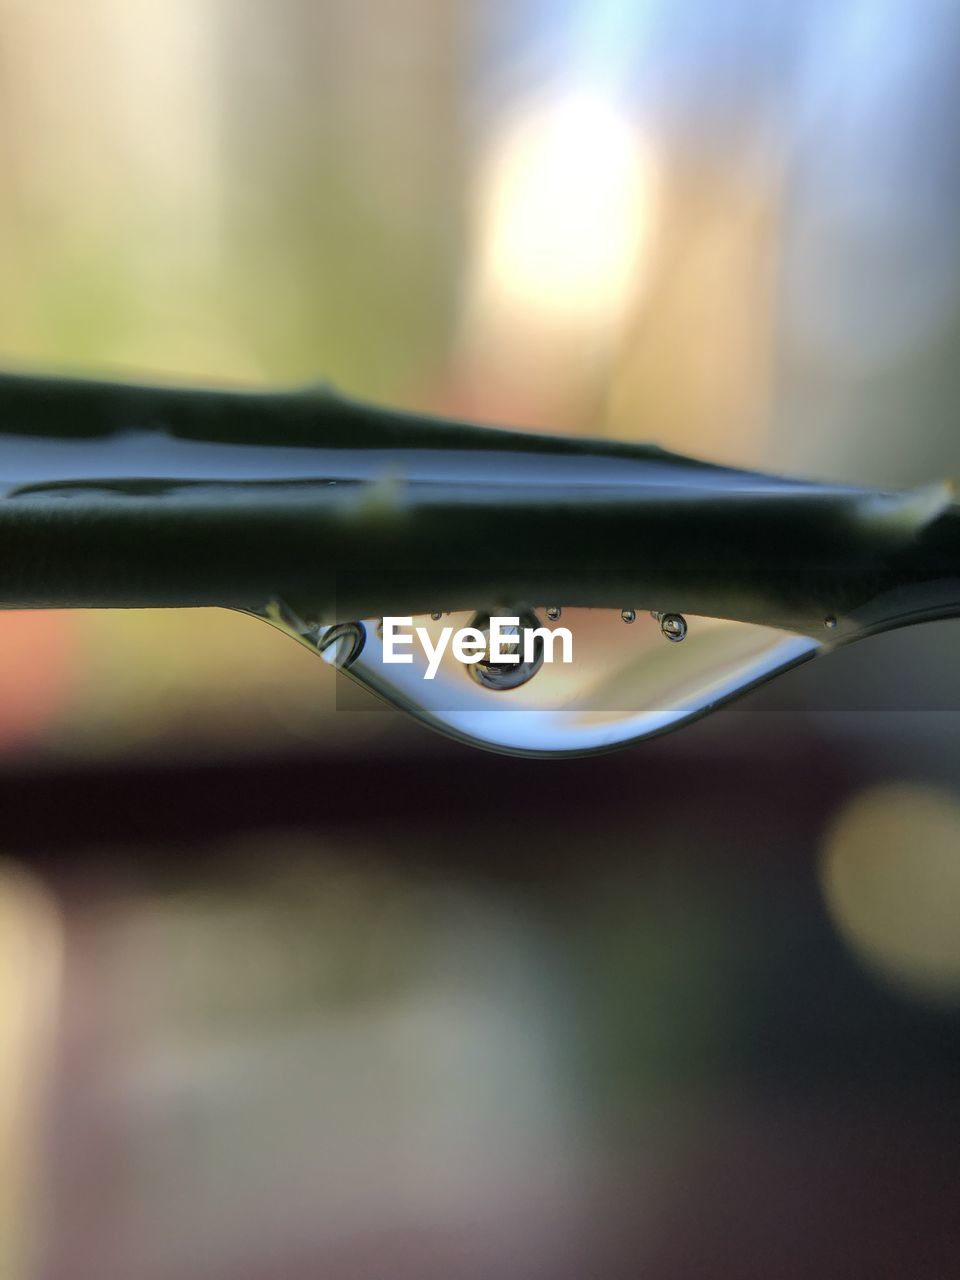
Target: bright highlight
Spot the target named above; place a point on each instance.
(567, 207)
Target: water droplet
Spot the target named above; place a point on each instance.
(621, 686)
(554, 612)
(673, 626)
(628, 615)
(437, 615)
(830, 622)
(508, 675)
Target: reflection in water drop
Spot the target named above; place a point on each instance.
(628, 615)
(624, 683)
(673, 626)
(554, 612)
(342, 644)
(511, 674)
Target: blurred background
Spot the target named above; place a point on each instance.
(292, 991)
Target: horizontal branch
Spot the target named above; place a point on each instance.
(129, 496)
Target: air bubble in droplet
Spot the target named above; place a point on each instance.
(508, 675)
(343, 643)
(553, 613)
(673, 626)
(628, 615)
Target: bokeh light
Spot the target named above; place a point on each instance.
(567, 208)
(30, 956)
(38, 668)
(891, 879)
(565, 212)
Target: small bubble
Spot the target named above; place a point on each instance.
(553, 613)
(628, 615)
(830, 621)
(673, 626)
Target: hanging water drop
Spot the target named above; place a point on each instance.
(620, 686)
(830, 622)
(437, 615)
(628, 615)
(553, 613)
(673, 626)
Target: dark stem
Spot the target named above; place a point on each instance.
(128, 496)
